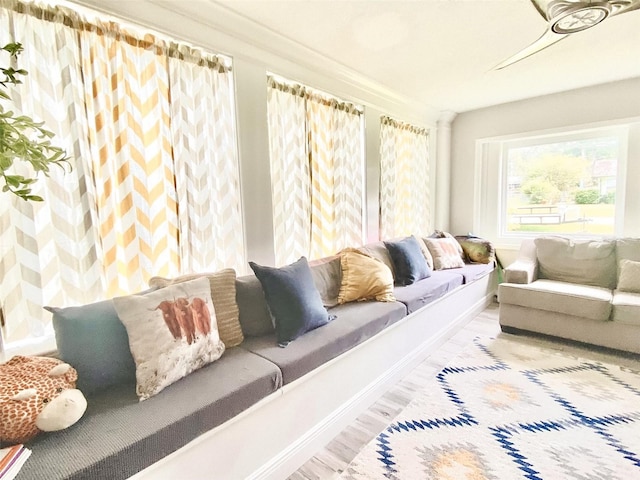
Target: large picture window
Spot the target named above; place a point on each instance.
(568, 182)
(562, 185)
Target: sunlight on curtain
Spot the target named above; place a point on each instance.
(317, 172)
(150, 131)
(126, 89)
(47, 249)
(404, 179)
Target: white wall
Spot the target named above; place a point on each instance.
(256, 51)
(603, 103)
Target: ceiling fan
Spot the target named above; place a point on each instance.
(565, 17)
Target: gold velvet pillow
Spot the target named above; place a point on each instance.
(364, 278)
(223, 294)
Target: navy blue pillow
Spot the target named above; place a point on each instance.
(293, 299)
(408, 261)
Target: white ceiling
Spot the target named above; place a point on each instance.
(441, 52)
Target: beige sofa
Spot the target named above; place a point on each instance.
(582, 290)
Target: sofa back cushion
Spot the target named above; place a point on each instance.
(587, 262)
(92, 339)
(255, 318)
(327, 277)
(378, 250)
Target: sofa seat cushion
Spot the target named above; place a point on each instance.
(119, 436)
(579, 300)
(626, 307)
(425, 291)
(355, 323)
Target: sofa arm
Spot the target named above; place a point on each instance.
(521, 271)
(525, 268)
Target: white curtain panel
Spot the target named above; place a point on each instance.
(290, 172)
(404, 179)
(317, 172)
(206, 163)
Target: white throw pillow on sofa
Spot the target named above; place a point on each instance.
(629, 276)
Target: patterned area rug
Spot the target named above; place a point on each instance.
(504, 409)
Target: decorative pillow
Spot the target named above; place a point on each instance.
(92, 338)
(477, 250)
(629, 276)
(172, 332)
(443, 234)
(426, 253)
(587, 262)
(223, 294)
(327, 276)
(293, 299)
(408, 260)
(445, 253)
(364, 278)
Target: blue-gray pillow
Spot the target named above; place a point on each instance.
(408, 261)
(92, 339)
(293, 299)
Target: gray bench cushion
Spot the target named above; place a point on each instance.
(119, 436)
(355, 323)
(583, 301)
(423, 292)
(473, 271)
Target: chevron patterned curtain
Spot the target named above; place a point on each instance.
(205, 158)
(404, 179)
(48, 249)
(154, 188)
(317, 172)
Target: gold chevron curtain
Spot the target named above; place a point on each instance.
(404, 179)
(317, 171)
(155, 184)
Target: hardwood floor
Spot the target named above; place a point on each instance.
(337, 454)
(333, 459)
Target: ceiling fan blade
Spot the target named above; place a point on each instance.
(623, 6)
(546, 40)
(542, 7)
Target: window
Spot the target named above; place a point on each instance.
(567, 182)
(404, 179)
(562, 184)
(317, 171)
(154, 189)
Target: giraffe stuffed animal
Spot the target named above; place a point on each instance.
(37, 394)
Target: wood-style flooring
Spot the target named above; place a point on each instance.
(329, 462)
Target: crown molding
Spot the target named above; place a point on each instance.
(210, 24)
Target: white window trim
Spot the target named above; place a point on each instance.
(490, 171)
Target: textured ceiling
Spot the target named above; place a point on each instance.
(442, 52)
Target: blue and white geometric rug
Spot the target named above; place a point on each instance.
(504, 409)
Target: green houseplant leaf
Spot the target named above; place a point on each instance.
(23, 139)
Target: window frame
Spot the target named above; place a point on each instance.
(489, 209)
